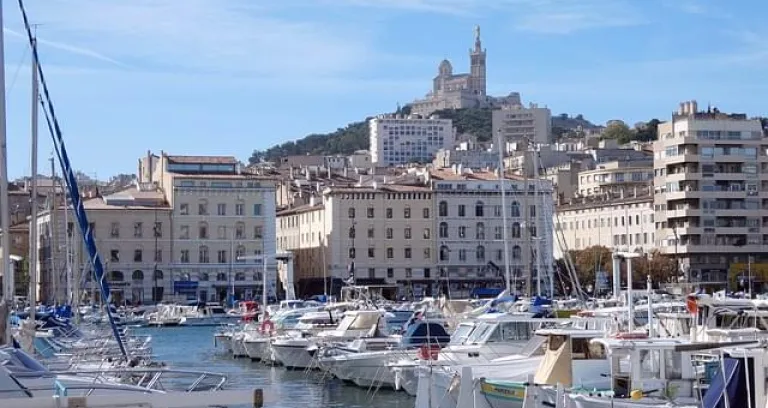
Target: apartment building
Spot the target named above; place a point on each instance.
(616, 178)
(521, 124)
(223, 225)
(132, 230)
(710, 184)
(396, 140)
(620, 222)
(470, 230)
(303, 231)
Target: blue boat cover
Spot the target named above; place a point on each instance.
(732, 385)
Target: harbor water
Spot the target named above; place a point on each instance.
(192, 348)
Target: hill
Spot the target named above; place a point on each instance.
(355, 136)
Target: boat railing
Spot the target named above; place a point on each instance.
(156, 379)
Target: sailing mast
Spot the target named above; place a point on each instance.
(32, 264)
(5, 239)
(503, 190)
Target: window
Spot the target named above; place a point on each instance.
(407, 233)
(480, 253)
(462, 231)
(390, 234)
(407, 212)
(427, 253)
(157, 229)
(517, 252)
(239, 254)
(221, 209)
(426, 233)
(515, 208)
(371, 273)
(390, 273)
(257, 210)
(498, 232)
(515, 230)
(425, 213)
(444, 253)
(240, 230)
(158, 255)
(258, 232)
(390, 253)
(221, 232)
(351, 213)
(185, 256)
(138, 229)
(352, 253)
(222, 256)
(137, 255)
(389, 213)
(408, 273)
(462, 210)
(479, 209)
(184, 209)
(442, 209)
(202, 208)
(114, 255)
(427, 273)
(371, 252)
(370, 212)
(114, 230)
(203, 230)
(352, 232)
(202, 254)
(462, 255)
(532, 210)
(443, 231)
(480, 231)
(407, 253)
(240, 209)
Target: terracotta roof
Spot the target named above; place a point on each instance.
(203, 159)
(244, 176)
(449, 174)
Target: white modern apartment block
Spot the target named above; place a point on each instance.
(623, 223)
(616, 178)
(397, 140)
(711, 192)
(220, 215)
(470, 230)
(520, 124)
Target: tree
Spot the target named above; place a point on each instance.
(647, 132)
(662, 268)
(589, 260)
(618, 131)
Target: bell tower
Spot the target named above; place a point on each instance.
(477, 79)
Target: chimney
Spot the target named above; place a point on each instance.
(681, 109)
(149, 165)
(141, 171)
(694, 107)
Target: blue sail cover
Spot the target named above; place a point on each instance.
(71, 182)
(732, 385)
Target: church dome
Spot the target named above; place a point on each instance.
(445, 68)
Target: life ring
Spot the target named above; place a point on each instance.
(267, 326)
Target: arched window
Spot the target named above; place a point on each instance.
(204, 277)
(202, 230)
(480, 231)
(240, 276)
(444, 253)
(442, 209)
(515, 207)
(480, 253)
(158, 274)
(116, 276)
(221, 277)
(515, 230)
(443, 230)
(479, 209)
(137, 275)
(517, 252)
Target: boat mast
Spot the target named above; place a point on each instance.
(503, 190)
(54, 229)
(5, 239)
(32, 264)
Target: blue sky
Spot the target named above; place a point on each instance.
(228, 76)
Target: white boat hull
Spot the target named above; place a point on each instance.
(293, 356)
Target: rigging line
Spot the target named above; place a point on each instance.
(9, 88)
(77, 203)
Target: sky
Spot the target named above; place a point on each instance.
(225, 77)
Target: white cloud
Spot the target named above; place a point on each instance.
(557, 17)
(218, 37)
(73, 49)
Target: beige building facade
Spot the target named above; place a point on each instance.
(396, 140)
(521, 124)
(711, 190)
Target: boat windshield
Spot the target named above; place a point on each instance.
(461, 334)
(482, 333)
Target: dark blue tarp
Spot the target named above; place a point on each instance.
(423, 332)
(733, 385)
(485, 292)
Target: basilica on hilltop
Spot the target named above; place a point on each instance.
(467, 90)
